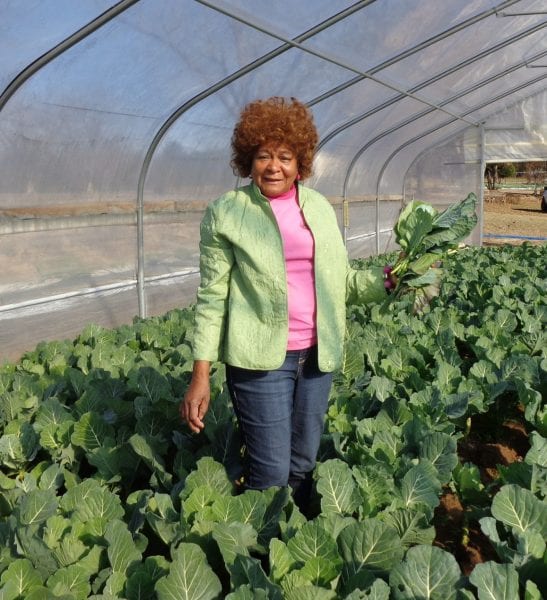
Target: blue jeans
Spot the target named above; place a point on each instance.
(281, 418)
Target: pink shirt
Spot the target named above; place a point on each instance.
(298, 245)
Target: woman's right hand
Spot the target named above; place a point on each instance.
(195, 404)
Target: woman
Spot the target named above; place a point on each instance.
(271, 303)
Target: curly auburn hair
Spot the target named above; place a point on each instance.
(274, 120)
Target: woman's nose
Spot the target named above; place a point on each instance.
(273, 164)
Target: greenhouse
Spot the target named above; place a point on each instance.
(115, 128)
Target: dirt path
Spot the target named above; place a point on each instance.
(514, 214)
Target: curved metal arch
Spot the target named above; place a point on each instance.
(441, 126)
(459, 132)
(411, 119)
(505, 94)
(425, 112)
(415, 49)
(57, 50)
(175, 115)
(330, 59)
(428, 82)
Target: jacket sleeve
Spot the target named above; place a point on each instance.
(365, 286)
(216, 261)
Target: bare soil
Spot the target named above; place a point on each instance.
(513, 213)
(488, 445)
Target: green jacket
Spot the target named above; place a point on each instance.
(241, 310)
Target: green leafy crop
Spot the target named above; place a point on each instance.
(426, 236)
(105, 494)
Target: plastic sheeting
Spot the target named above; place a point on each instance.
(116, 117)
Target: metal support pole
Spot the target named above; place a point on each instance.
(345, 208)
(481, 184)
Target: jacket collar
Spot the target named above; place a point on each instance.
(256, 194)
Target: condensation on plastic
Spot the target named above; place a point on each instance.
(74, 136)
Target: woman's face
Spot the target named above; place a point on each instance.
(274, 169)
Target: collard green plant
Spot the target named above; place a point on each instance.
(104, 493)
(426, 236)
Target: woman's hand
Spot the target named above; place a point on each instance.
(195, 404)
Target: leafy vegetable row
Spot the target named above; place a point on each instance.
(104, 494)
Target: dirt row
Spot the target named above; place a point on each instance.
(515, 214)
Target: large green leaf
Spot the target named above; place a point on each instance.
(519, 508)
(208, 472)
(381, 388)
(18, 579)
(122, 552)
(102, 393)
(412, 526)
(281, 559)
(200, 497)
(37, 506)
(248, 571)
(440, 450)
(378, 590)
(489, 528)
(537, 455)
(19, 445)
(248, 507)
(277, 498)
(234, 539)
(72, 580)
(89, 500)
(369, 545)
(163, 518)
(420, 486)
(353, 358)
(190, 577)
(51, 478)
(310, 592)
(151, 384)
(375, 486)
(465, 207)
(337, 487)
(457, 233)
(114, 584)
(110, 461)
(145, 449)
(427, 573)
(248, 592)
(311, 541)
(387, 446)
(70, 548)
(495, 582)
(51, 411)
(141, 583)
(31, 546)
(458, 219)
(261, 509)
(422, 264)
(14, 405)
(448, 377)
(413, 224)
(91, 431)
